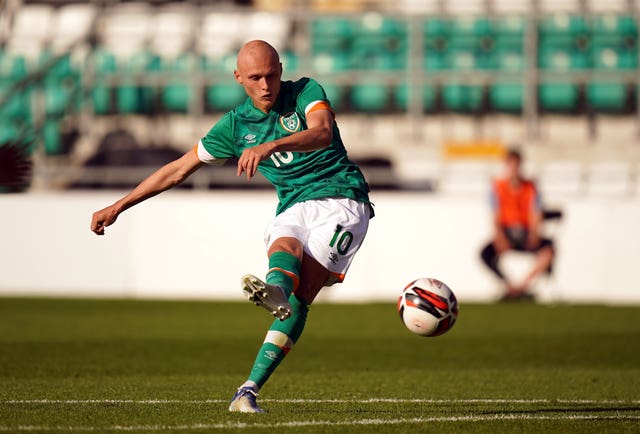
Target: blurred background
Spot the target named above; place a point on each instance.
(428, 95)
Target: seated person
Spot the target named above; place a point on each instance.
(518, 219)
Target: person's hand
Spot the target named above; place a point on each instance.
(501, 242)
(103, 218)
(251, 157)
(533, 240)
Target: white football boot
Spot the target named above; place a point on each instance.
(271, 297)
(244, 401)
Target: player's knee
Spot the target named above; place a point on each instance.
(288, 245)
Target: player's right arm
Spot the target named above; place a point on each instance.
(162, 179)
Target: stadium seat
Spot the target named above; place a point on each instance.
(61, 84)
(132, 96)
(558, 179)
(219, 34)
(8, 130)
(508, 96)
(329, 35)
(177, 94)
(609, 178)
(560, 95)
(267, 26)
(614, 48)
(458, 96)
(428, 97)
(13, 68)
(609, 95)
(51, 138)
(326, 64)
(436, 35)
(225, 93)
(72, 23)
(104, 64)
(369, 97)
(374, 32)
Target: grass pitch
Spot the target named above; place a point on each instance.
(141, 366)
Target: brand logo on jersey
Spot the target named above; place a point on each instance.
(290, 122)
(250, 138)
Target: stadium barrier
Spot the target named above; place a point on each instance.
(196, 245)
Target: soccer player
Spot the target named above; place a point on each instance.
(285, 130)
(518, 219)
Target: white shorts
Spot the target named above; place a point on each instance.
(331, 231)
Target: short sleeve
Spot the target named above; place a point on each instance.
(217, 145)
(493, 197)
(536, 200)
(311, 95)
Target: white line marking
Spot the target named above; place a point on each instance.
(361, 422)
(324, 401)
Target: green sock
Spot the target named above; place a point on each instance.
(279, 340)
(284, 271)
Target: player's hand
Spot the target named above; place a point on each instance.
(251, 157)
(103, 218)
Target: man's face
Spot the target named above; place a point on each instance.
(513, 167)
(259, 73)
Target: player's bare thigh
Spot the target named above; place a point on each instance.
(313, 278)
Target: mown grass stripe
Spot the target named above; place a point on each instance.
(311, 423)
(326, 401)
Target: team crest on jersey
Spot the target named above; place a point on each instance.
(290, 122)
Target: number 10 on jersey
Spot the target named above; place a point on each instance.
(280, 158)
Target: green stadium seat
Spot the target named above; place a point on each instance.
(610, 95)
(8, 130)
(331, 34)
(369, 97)
(616, 30)
(458, 96)
(290, 62)
(61, 84)
(52, 138)
(505, 96)
(104, 64)
(177, 94)
(509, 32)
(132, 97)
(227, 93)
(13, 67)
(378, 34)
(560, 95)
(329, 63)
(562, 28)
(401, 96)
(18, 105)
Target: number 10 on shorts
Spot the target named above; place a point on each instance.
(341, 240)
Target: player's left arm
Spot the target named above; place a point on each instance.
(318, 135)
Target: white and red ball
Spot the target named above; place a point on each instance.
(428, 307)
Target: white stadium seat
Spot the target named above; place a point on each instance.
(609, 178)
(72, 23)
(559, 179)
(173, 27)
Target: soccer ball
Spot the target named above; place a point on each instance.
(428, 307)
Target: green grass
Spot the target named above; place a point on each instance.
(140, 366)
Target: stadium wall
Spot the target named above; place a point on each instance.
(198, 244)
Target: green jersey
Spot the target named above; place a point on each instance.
(297, 176)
